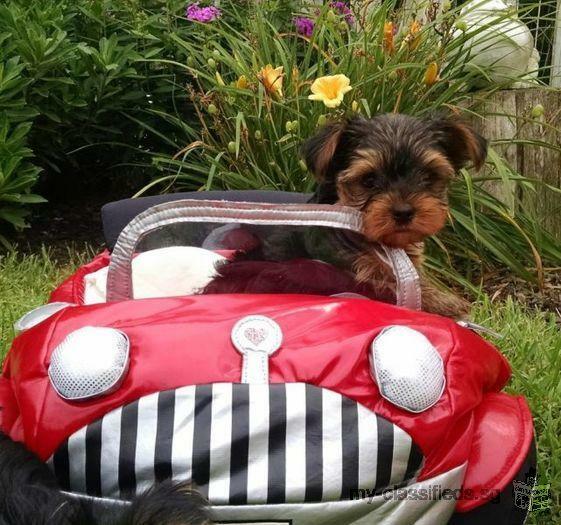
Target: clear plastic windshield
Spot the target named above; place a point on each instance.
(272, 259)
(211, 247)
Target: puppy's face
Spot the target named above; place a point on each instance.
(395, 169)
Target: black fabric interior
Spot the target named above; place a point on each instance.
(116, 215)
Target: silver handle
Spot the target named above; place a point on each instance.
(119, 277)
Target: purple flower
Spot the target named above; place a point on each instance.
(304, 26)
(343, 9)
(202, 14)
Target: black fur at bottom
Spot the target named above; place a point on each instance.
(29, 495)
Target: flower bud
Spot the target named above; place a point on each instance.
(322, 120)
(216, 54)
(431, 74)
(232, 147)
(332, 16)
(242, 82)
(288, 127)
(211, 63)
(258, 135)
(303, 166)
(389, 34)
(461, 25)
(212, 109)
(537, 111)
(355, 106)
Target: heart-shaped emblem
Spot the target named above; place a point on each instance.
(256, 335)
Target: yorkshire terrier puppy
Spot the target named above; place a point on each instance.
(396, 170)
(29, 495)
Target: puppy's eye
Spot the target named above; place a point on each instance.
(372, 181)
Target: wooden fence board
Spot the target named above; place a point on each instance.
(541, 162)
(556, 50)
(500, 124)
(509, 116)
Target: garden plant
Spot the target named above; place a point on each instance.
(201, 97)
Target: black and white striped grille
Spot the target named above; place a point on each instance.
(240, 444)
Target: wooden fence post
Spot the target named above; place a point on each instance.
(499, 123)
(556, 51)
(508, 116)
(541, 163)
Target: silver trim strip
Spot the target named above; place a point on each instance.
(384, 509)
(95, 499)
(39, 314)
(408, 289)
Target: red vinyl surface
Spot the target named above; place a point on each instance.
(502, 436)
(326, 341)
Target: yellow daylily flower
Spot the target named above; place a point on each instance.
(242, 82)
(431, 74)
(272, 78)
(330, 89)
(388, 37)
(413, 38)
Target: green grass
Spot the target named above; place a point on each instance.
(26, 282)
(532, 343)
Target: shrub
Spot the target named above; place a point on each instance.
(17, 174)
(76, 73)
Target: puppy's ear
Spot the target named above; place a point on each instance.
(318, 151)
(460, 142)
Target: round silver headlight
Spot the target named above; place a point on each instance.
(407, 368)
(89, 362)
(35, 316)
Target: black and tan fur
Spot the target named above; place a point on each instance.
(396, 170)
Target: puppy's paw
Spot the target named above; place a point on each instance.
(444, 303)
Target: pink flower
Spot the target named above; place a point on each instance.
(304, 26)
(195, 13)
(343, 9)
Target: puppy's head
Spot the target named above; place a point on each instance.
(395, 169)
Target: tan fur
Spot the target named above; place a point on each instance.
(364, 163)
(436, 160)
(369, 268)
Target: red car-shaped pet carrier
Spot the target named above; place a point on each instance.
(279, 387)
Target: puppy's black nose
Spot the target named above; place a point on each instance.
(403, 213)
